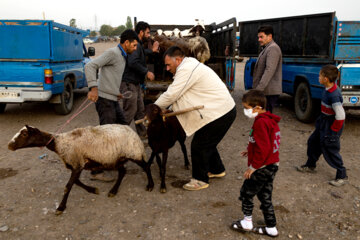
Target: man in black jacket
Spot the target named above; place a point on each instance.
(135, 73)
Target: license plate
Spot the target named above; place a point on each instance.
(9, 94)
(351, 99)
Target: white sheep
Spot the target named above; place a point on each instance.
(105, 147)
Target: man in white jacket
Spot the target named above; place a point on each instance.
(196, 84)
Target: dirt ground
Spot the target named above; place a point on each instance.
(307, 207)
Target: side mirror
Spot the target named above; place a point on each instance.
(91, 51)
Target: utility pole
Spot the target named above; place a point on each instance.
(43, 13)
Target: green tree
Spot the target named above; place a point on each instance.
(128, 23)
(73, 22)
(106, 30)
(93, 34)
(119, 30)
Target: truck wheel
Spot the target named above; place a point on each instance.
(304, 106)
(2, 107)
(66, 98)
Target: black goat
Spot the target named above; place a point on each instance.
(162, 134)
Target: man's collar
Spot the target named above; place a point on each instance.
(122, 50)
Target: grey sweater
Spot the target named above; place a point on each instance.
(112, 65)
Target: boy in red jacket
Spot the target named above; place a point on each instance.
(263, 162)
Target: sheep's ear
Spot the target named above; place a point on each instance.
(27, 126)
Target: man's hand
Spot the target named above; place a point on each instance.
(93, 94)
(248, 173)
(120, 96)
(150, 76)
(155, 47)
(244, 153)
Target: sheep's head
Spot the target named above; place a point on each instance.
(152, 112)
(26, 137)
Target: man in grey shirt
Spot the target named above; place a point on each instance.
(268, 68)
(105, 91)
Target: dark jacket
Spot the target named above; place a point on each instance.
(268, 70)
(264, 141)
(136, 68)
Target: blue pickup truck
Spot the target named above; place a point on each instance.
(308, 42)
(41, 60)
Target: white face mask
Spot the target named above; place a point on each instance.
(249, 113)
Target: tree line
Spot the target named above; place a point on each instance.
(107, 30)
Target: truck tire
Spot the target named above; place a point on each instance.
(2, 107)
(305, 108)
(66, 98)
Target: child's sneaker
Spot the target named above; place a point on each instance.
(339, 182)
(305, 169)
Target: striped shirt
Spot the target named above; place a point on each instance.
(331, 104)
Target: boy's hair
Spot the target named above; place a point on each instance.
(128, 35)
(141, 26)
(330, 71)
(254, 98)
(174, 51)
(267, 29)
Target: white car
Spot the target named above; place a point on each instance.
(88, 40)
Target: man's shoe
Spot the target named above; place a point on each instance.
(305, 169)
(101, 177)
(195, 185)
(339, 182)
(219, 175)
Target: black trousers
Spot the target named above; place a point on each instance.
(204, 154)
(326, 142)
(109, 112)
(261, 185)
(271, 101)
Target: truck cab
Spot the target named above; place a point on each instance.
(309, 42)
(41, 60)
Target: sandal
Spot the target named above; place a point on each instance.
(238, 227)
(195, 185)
(262, 231)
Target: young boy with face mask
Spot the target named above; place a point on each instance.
(263, 162)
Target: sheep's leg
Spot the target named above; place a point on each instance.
(158, 161)
(146, 167)
(121, 175)
(75, 174)
(183, 149)
(86, 187)
(163, 171)
(151, 159)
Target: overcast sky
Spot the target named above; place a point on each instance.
(89, 14)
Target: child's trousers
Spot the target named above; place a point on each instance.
(327, 142)
(261, 185)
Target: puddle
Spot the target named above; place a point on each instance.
(179, 183)
(7, 172)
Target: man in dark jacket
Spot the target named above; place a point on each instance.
(268, 67)
(135, 73)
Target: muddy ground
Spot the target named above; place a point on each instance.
(307, 207)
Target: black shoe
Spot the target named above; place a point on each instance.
(305, 169)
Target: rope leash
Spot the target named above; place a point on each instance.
(79, 110)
